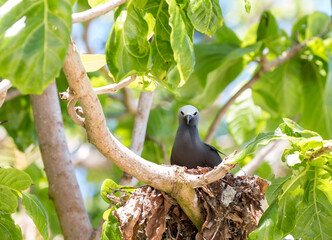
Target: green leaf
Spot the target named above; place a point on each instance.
(275, 188)
(300, 204)
(315, 213)
(268, 28)
(264, 170)
(288, 130)
(247, 6)
(261, 140)
(289, 201)
(268, 31)
(34, 39)
(217, 66)
(181, 41)
(14, 179)
(36, 211)
(205, 15)
(318, 48)
(299, 29)
(310, 26)
(162, 59)
(292, 129)
(20, 125)
(245, 120)
(251, 35)
(98, 81)
(94, 3)
(82, 5)
(225, 35)
(8, 229)
(105, 189)
(267, 228)
(279, 91)
(127, 48)
(209, 57)
(316, 114)
(303, 203)
(8, 200)
(93, 62)
(143, 83)
(328, 85)
(111, 230)
(317, 23)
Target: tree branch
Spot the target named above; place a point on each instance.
(70, 96)
(220, 171)
(170, 179)
(115, 86)
(5, 84)
(139, 131)
(96, 11)
(222, 111)
(63, 186)
(95, 124)
(265, 67)
(128, 101)
(12, 94)
(326, 148)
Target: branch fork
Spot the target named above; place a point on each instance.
(76, 113)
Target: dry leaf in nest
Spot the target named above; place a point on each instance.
(234, 209)
(231, 205)
(146, 214)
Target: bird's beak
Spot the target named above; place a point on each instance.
(188, 117)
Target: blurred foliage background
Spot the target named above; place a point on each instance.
(243, 121)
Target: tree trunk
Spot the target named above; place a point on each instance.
(63, 186)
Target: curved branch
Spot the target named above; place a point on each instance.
(96, 11)
(72, 112)
(70, 96)
(170, 179)
(212, 176)
(98, 133)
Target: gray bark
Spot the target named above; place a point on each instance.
(63, 186)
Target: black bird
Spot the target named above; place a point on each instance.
(188, 149)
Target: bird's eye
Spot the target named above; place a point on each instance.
(195, 113)
(182, 113)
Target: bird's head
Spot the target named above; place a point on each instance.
(188, 115)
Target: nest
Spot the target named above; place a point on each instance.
(231, 207)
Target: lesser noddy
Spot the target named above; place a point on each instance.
(188, 148)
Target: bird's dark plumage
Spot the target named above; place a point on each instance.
(188, 149)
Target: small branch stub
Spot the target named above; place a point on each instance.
(96, 11)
